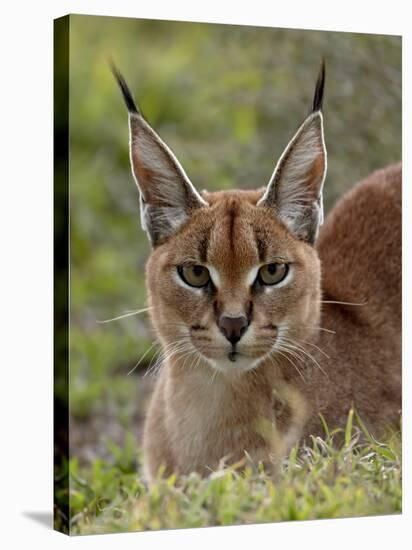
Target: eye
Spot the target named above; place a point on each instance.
(194, 275)
(272, 274)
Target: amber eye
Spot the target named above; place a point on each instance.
(194, 275)
(272, 274)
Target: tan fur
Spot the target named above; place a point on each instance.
(199, 414)
(250, 358)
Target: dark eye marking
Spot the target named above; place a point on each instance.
(261, 247)
(203, 248)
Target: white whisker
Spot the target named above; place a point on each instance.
(280, 352)
(178, 347)
(343, 303)
(296, 346)
(142, 357)
(316, 347)
(128, 314)
(318, 328)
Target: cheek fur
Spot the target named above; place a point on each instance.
(174, 301)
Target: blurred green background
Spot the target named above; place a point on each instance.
(226, 99)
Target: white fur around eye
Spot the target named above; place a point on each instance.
(251, 276)
(253, 273)
(214, 275)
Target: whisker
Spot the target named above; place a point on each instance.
(295, 345)
(155, 358)
(142, 357)
(188, 356)
(196, 361)
(343, 303)
(200, 359)
(155, 362)
(318, 328)
(293, 352)
(172, 349)
(128, 314)
(164, 354)
(314, 346)
(153, 369)
(212, 378)
(277, 350)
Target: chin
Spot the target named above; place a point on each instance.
(235, 365)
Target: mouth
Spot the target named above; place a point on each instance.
(233, 355)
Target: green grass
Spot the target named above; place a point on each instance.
(322, 479)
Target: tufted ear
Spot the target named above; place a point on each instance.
(295, 188)
(167, 197)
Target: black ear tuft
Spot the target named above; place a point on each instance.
(320, 86)
(127, 95)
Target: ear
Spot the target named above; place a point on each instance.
(295, 188)
(167, 197)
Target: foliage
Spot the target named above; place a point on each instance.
(322, 479)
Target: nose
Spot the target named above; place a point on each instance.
(233, 328)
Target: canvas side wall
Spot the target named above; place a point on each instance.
(61, 274)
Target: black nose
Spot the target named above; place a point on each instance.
(233, 328)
